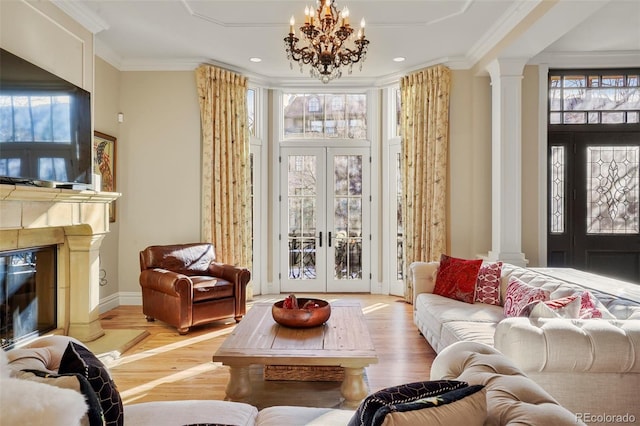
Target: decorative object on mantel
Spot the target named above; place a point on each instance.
(328, 42)
(301, 313)
(104, 163)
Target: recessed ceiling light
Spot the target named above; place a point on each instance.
(399, 59)
(255, 59)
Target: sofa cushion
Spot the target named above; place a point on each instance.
(456, 278)
(42, 354)
(431, 402)
(309, 416)
(188, 259)
(80, 360)
(456, 331)
(172, 413)
(488, 283)
(520, 295)
(443, 309)
(207, 288)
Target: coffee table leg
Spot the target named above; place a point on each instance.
(353, 388)
(239, 386)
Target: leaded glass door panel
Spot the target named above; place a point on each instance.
(325, 223)
(594, 202)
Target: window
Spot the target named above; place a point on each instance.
(251, 111)
(320, 116)
(314, 105)
(594, 97)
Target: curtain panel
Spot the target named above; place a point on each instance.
(424, 128)
(226, 217)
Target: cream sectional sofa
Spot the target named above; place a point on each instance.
(590, 366)
(506, 387)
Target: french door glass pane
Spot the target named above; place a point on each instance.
(302, 216)
(612, 189)
(557, 189)
(399, 228)
(348, 216)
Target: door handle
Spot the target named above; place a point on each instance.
(329, 239)
(320, 238)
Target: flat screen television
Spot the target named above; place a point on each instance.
(45, 126)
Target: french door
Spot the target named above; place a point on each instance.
(594, 199)
(325, 235)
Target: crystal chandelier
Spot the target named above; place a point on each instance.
(327, 43)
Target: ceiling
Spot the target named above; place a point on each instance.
(181, 34)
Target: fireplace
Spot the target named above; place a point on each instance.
(27, 294)
(74, 222)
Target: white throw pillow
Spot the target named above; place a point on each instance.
(23, 402)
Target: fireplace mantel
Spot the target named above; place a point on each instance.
(75, 221)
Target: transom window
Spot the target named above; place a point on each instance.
(594, 96)
(323, 115)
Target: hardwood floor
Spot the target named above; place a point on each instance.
(167, 366)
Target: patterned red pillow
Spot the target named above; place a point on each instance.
(565, 307)
(456, 278)
(488, 283)
(520, 295)
(588, 308)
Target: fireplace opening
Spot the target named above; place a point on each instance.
(28, 293)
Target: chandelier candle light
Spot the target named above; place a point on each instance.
(327, 43)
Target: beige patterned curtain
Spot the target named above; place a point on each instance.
(225, 164)
(425, 139)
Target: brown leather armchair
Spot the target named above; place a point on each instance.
(184, 286)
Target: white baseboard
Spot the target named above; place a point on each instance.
(119, 299)
(108, 303)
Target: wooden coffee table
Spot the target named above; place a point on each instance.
(258, 340)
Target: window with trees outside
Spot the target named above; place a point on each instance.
(324, 115)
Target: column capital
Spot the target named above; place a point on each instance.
(506, 67)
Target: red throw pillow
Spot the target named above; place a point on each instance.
(520, 295)
(488, 284)
(456, 278)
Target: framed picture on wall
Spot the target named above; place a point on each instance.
(104, 164)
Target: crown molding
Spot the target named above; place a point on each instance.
(83, 15)
(617, 59)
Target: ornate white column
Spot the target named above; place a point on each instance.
(506, 160)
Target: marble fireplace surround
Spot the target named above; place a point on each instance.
(76, 222)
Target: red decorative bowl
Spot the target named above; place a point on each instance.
(301, 318)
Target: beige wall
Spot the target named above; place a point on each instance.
(530, 166)
(107, 106)
(159, 166)
(469, 177)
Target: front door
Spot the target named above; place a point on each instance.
(325, 219)
(594, 202)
